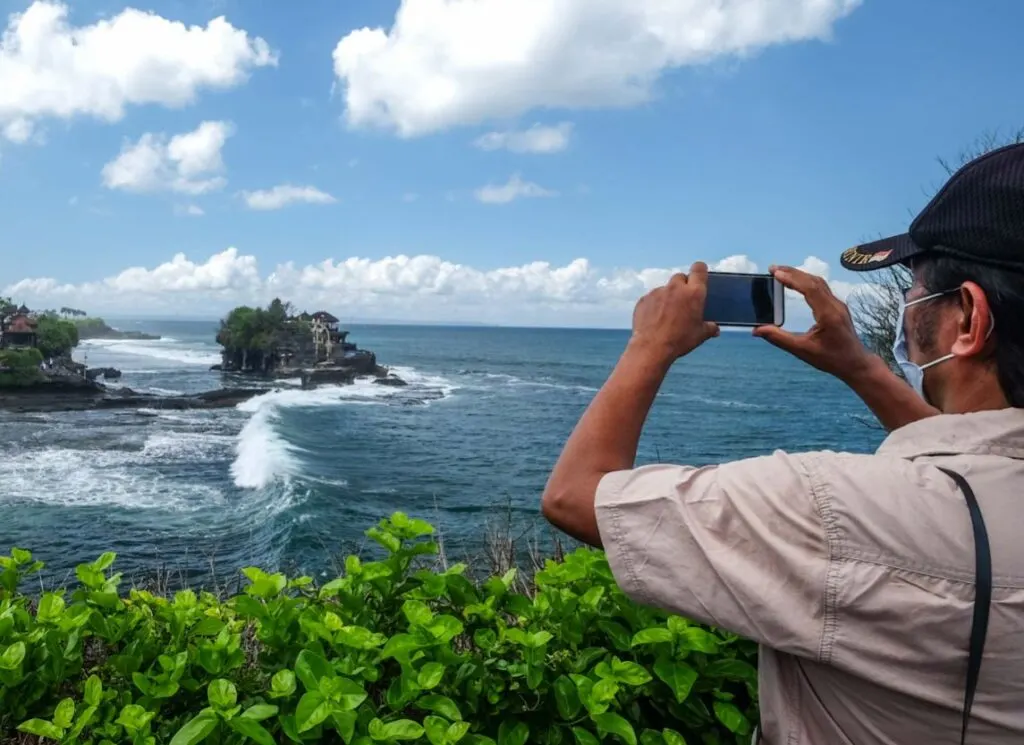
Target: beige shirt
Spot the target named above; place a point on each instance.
(861, 566)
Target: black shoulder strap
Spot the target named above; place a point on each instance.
(982, 596)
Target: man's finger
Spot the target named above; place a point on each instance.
(698, 274)
(808, 285)
(785, 340)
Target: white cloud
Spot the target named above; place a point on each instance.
(18, 131)
(445, 63)
(511, 190)
(189, 163)
(424, 287)
(51, 69)
(538, 139)
(189, 210)
(284, 195)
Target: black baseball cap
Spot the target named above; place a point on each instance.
(977, 216)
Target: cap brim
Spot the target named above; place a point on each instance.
(868, 257)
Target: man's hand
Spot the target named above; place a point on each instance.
(669, 320)
(831, 344)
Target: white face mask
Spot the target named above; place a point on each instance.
(913, 372)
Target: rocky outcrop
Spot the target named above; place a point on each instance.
(391, 380)
(107, 373)
(80, 394)
(330, 375)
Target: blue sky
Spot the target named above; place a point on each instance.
(778, 131)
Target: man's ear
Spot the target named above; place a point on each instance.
(975, 322)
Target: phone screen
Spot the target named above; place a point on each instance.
(740, 299)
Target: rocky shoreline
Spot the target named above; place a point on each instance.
(78, 394)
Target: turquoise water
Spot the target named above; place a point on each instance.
(293, 477)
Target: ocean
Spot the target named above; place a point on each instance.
(292, 478)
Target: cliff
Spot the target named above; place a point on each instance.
(276, 342)
(97, 328)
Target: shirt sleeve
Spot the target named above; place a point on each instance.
(741, 546)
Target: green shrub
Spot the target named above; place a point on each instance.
(56, 336)
(390, 652)
(23, 365)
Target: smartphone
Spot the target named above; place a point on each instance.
(745, 300)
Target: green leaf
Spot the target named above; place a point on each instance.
(64, 714)
(310, 667)
(630, 673)
(196, 730)
(567, 698)
(42, 728)
(134, 718)
(359, 638)
(346, 694)
(430, 675)
(282, 684)
(93, 691)
(345, 724)
(436, 729)
(617, 632)
(209, 626)
(259, 712)
(513, 734)
(417, 612)
(313, 709)
(699, 640)
(441, 705)
(584, 737)
(672, 737)
(222, 694)
(51, 606)
(652, 636)
(104, 562)
(733, 719)
(679, 676)
(614, 724)
(21, 556)
(731, 670)
(251, 729)
(12, 657)
(401, 729)
(457, 731)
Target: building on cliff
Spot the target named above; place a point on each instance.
(327, 338)
(18, 330)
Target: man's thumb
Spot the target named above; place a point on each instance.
(777, 337)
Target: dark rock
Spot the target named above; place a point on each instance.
(81, 394)
(328, 376)
(391, 380)
(108, 373)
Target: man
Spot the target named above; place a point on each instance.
(855, 573)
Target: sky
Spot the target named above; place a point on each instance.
(525, 162)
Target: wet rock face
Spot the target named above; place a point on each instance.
(328, 376)
(391, 380)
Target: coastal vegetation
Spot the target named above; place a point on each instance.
(20, 367)
(251, 336)
(400, 648)
(56, 336)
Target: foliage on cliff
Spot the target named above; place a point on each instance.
(55, 336)
(390, 652)
(22, 367)
(251, 336)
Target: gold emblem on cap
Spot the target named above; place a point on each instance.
(855, 257)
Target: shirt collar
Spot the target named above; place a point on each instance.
(980, 433)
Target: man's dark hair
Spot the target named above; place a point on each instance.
(1005, 293)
